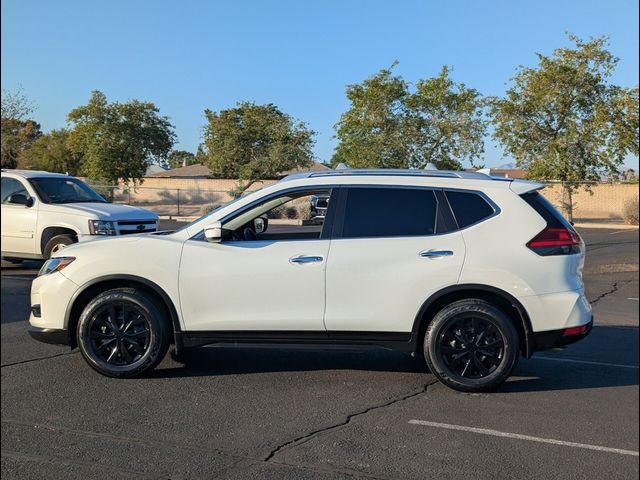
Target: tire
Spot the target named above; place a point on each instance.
(471, 346)
(57, 243)
(14, 260)
(133, 344)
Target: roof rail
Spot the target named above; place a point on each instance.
(390, 172)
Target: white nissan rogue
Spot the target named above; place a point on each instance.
(468, 270)
(44, 212)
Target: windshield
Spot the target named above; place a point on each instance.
(64, 190)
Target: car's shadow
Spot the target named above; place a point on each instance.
(24, 265)
(530, 375)
(239, 360)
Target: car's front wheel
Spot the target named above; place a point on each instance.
(56, 244)
(123, 333)
(471, 346)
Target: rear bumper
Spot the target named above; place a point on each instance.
(49, 335)
(558, 338)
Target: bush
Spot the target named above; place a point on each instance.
(206, 208)
(298, 209)
(630, 211)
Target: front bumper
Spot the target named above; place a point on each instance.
(50, 298)
(49, 335)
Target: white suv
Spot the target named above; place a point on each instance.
(469, 270)
(44, 212)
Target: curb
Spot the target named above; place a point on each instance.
(611, 226)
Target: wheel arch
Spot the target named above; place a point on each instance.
(507, 302)
(97, 285)
(51, 231)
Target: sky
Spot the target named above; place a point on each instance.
(189, 55)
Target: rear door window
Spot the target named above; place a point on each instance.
(468, 207)
(389, 212)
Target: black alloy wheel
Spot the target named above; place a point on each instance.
(471, 345)
(119, 333)
(123, 332)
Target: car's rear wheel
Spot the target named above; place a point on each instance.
(471, 346)
(123, 333)
(56, 244)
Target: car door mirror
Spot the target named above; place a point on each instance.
(213, 233)
(260, 224)
(20, 199)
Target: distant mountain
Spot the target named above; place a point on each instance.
(506, 166)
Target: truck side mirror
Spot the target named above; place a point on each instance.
(20, 199)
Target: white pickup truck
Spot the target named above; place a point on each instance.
(44, 212)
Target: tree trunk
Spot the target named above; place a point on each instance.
(239, 189)
(567, 201)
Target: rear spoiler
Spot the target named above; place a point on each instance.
(525, 186)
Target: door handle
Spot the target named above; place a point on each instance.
(436, 253)
(306, 259)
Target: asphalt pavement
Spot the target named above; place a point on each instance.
(272, 413)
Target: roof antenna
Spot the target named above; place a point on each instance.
(343, 166)
(430, 166)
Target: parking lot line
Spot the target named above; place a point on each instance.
(518, 436)
(585, 362)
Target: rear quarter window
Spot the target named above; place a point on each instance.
(468, 207)
(546, 210)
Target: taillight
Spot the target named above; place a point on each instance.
(556, 241)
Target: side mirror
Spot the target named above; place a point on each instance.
(260, 224)
(20, 199)
(213, 233)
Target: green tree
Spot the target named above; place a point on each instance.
(17, 129)
(51, 153)
(16, 105)
(254, 142)
(118, 141)
(390, 125)
(447, 123)
(562, 120)
(373, 132)
(180, 158)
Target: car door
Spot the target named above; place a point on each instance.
(18, 221)
(393, 247)
(274, 282)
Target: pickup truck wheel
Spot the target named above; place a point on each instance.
(123, 333)
(471, 346)
(56, 244)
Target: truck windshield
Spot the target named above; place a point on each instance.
(64, 190)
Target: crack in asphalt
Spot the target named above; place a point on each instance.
(242, 462)
(614, 288)
(305, 438)
(22, 362)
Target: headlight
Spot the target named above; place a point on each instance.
(102, 227)
(55, 265)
